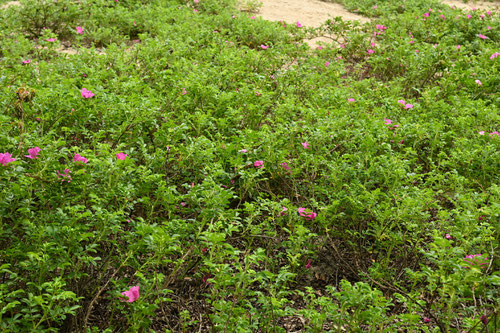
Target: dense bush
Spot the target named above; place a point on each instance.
(192, 168)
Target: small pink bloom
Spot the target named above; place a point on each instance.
(492, 134)
(426, 14)
(242, 151)
(342, 46)
(320, 48)
(135, 25)
(195, 10)
(308, 215)
(442, 16)
(412, 42)
(372, 44)
(285, 166)
(479, 82)
(426, 320)
(51, 40)
(299, 25)
(370, 51)
(6, 158)
(327, 64)
(184, 92)
(409, 106)
(121, 156)
(258, 164)
(401, 101)
(481, 132)
(484, 319)
(448, 236)
(458, 47)
(351, 100)
(489, 13)
(476, 260)
(308, 264)
(33, 153)
(494, 55)
(27, 61)
(283, 211)
(375, 7)
(80, 158)
(264, 47)
(132, 294)
(387, 121)
(79, 30)
(469, 16)
(195, 1)
(305, 145)
(65, 176)
(482, 36)
(86, 93)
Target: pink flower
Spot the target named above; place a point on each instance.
(426, 320)
(132, 294)
(252, 17)
(79, 158)
(375, 7)
(409, 106)
(320, 47)
(478, 82)
(482, 36)
(195, 1)
(283, 211)
(426, 14)
(242, 151)
(27, 61)
(6, 158)
(370, 51)
(121, 156)
(308, 215)
(351, 100)
(469, 16)
(299, 25)
(264, 47)
(387, 121)
(484, 319)
(481, 132)
(327, 64)
(442, 16)
(495, 133)
(65, 176)
(79, 30)
(448, 236)
(285, 166)
(86, 93)
(458, 47)
(258, 164)
(305, 145)
(308, 263)
(489, 28)
(494, 55)
(51, 40)
(476, 260)
(33, 153)
(402, 102)
(184, 92)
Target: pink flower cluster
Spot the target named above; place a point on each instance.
(407, 106)
(64, 176)
(476, 260)
(132, 294)
(308, 215)
(6, 158)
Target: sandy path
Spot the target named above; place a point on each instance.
(473, 4)
(311, 13)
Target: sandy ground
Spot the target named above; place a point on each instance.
(311, 13)
(495, 5)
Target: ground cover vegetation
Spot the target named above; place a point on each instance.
(195, 168)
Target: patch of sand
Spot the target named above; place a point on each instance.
(311, 13)
(473, 4)
(10, 4)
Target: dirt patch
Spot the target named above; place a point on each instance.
(10, 4)
(310, 13)
(473, 4)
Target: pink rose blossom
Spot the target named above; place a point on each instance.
(121, 156)
(409, 106)
(351, 100)
(481, 132)
(492, 134)
(305, 145)
(469, 16)
(79, 30)
(387, 121)
(27, 61)
(132, 294)
(299, 25)
(79, 158)
(370, 51)
(33, 153)
(327, 64)
(264, 47)
(6, 158)
(426, 14)
(494, 55)
(308, 215)
(86, 93)
(448, 236)
(375, 7)
(479, 83)
(426, 320)
(258, 164)
(402, 102)
(482, 36)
